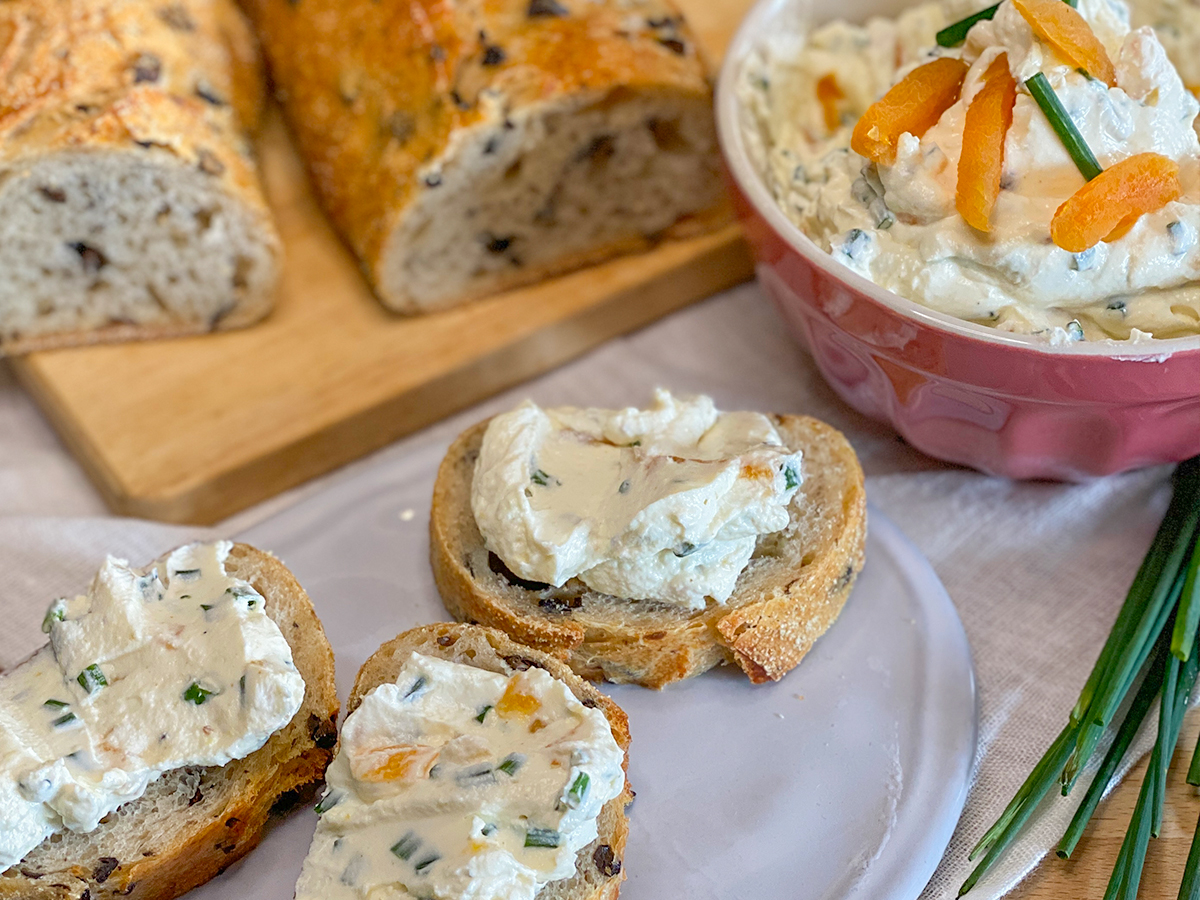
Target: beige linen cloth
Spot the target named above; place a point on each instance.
(1037, 571)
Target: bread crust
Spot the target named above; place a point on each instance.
(599, 867)
(146, 850)
(172, 85)
(383, 95)
(789, 595)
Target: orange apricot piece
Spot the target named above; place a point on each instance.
(982, 159)
(913, 105)
(1105, 207)
(1063, 28)
(829, 92)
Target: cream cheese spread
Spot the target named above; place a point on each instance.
(660, 504)
(174, 665)
(455, 782)
(897, 225)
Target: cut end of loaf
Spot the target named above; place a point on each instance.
(91, 242)
(522, 197)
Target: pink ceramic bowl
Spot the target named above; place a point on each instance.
(1006, 404)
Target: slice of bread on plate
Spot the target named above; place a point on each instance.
(786, 598)
(464, 149)
(598, 867)
(130, 204)
(193, 823)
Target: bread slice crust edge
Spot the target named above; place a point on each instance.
(194, 823)
(791, 593)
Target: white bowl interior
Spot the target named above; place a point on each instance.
(779, 23)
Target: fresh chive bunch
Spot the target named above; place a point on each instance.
(1151, 648)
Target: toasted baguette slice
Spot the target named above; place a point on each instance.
(598, 869)
(791, 592)
(195, 822)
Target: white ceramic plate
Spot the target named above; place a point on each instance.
(843, 780)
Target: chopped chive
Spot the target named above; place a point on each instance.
(487, 829)
(511, 763)
(56, 704)
(198, 695)
(328, 802)
(406, 846)
(187, 573)
(636, 444)
(579, 789)
(483, 714)
(426, 862)
(92, 679)
(542, 837)
(953, 35)
(56, 613)
(206, 606)
(791, 477)
(1056, 114)
(624, 488)
(416, 686)
(540, 477)
(63, 720)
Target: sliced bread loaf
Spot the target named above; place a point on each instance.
(130, 205)
(789, 594)
(466, 148)
(598, 866)
(193, 823)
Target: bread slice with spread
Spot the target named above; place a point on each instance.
(467, 148)
(786, 596)
(193, 822)
(470, 765)
(130, 203)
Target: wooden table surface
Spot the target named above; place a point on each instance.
(1085, 874)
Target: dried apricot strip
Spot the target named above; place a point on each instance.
(829, 92)
(982, 159)
(1141, 184)
(1063, 28)
(913, 105)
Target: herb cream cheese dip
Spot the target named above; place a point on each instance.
(152, 669)
(455, 782)
(896, 223)
(660, 504)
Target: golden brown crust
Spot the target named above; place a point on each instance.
(225, 817)
(178, 83)
(790, 595)
(599, 870)
(379, 92)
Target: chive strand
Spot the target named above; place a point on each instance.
(1148, 574)
(1076, 146)
(1044, 775)
(953, 35)
(1166, 719)
(1134, 716)
(1189, 888)
(1127, 873)
(1188, 618)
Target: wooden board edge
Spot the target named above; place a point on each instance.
(726, 263)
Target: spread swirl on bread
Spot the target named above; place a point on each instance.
(659, 504)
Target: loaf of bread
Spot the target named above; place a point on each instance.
(598, 866)
(466, 148)
(130, 204)
(193, 823)
(787, 597)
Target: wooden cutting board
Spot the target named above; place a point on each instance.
(193, 430)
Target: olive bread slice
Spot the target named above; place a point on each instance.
(195, 822)
(598, 866)
(786, 598)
